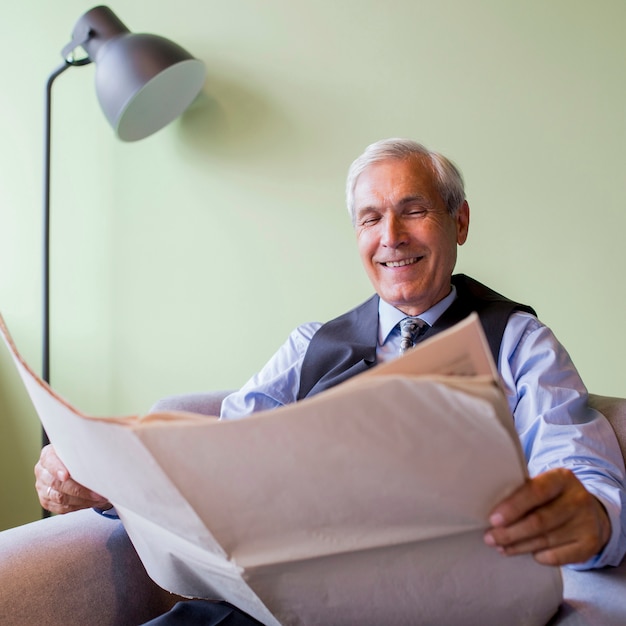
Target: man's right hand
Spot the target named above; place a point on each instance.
(57, 492)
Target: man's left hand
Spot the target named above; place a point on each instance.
(553, 517)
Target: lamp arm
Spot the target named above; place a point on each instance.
(80, 37)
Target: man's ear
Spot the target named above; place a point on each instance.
(462, 223)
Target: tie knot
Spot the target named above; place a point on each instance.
(410, 329)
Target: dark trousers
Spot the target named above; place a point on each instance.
(204, 613)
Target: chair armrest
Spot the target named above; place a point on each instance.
(204, 403)
(614, 409)
(78, 568)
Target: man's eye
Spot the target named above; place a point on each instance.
(368, 221)
(417, 212)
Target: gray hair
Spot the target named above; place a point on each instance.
(448, 177)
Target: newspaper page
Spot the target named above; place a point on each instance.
(365, 504)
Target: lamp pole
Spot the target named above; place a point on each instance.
(45, 305)
(45, 342)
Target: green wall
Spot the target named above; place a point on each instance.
(164, 248)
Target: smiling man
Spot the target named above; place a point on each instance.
(407, 238)
(409, 212)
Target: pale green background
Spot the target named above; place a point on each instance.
(164, 250)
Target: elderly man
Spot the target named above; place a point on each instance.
(409, 212)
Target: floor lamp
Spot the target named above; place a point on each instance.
(143, 82)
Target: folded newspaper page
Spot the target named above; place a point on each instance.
(365, 504)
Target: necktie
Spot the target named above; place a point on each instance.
(410, 329)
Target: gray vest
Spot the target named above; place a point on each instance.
(346, 346)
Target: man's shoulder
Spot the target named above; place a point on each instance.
(302, 334)
(468, 287)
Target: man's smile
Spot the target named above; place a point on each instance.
(402, 263)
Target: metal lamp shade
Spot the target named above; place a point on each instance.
(143, 81)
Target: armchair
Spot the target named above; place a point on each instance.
(81, 568)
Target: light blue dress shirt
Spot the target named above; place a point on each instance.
(545, 394)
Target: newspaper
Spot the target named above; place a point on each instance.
(365, 504)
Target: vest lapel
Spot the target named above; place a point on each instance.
(340, 349)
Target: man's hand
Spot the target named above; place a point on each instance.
(553, 517)
(57, 492)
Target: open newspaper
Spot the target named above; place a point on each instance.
(365, 504)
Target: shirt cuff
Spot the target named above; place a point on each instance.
(110, 513)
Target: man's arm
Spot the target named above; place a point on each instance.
(570, 510)
(277, 383)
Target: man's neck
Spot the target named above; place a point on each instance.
(389, 316)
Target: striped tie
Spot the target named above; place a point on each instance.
(410, 329)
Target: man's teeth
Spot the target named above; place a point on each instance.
(401, 263)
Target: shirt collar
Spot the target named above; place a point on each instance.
(389, 316)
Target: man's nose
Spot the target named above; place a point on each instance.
(394, 232)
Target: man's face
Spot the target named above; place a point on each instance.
(407, 240)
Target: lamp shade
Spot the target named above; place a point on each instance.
(143, 81)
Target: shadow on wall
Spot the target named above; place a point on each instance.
(19, 449)
(242, 122)
(229, 119)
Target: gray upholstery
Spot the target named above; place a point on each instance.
(615, 411)
(207, 403)
(78, 568)
(81, 568)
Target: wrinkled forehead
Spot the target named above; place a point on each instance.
(397, 176)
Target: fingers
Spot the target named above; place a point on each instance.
(553, 517)
(57, 491)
